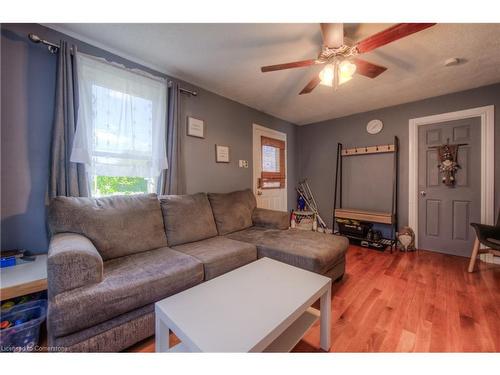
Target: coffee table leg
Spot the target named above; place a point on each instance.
(325, 323)
(162, 336)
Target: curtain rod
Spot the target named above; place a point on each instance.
(52, 47)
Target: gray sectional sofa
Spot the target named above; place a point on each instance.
(110, 259)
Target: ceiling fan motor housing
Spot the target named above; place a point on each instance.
(329, 54)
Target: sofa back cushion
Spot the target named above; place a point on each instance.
(117, 225)
(187, 218)
(232, 211)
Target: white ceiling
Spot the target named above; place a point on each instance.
(226, 59)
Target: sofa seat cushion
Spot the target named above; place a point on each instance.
(220, 255)
(317, 252)
(129, 282)
(117, 226)
(232, 211)
(187, 218)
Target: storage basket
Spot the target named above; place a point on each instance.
(24, 331)
(304, 220)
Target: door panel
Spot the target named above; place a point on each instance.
(461, 134)
(461, 220)
(433, 137)
(275, 198)
(445, 213)
(432, 173)
(462, 178)
(432, 216)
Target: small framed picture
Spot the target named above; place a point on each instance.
(195, 127)
(221, 154)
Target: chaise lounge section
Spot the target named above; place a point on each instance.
(238, 218)
(110, 259)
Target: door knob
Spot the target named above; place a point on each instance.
(259, 192)
(423, 193)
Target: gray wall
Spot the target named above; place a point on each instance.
(368, 178)
(229, 123)
(28, 74)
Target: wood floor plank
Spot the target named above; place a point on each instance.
(408, 302)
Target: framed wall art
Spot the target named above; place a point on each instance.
(221, 154)
(195, 127)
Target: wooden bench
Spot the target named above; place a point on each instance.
(362, 215)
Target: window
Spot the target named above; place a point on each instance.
(270, 159)
(120, 134)
(273, 163)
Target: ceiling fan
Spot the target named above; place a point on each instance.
(341, 60)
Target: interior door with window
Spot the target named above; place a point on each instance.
(445, 212)
(269, 161)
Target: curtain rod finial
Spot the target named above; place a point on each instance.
(34, 38)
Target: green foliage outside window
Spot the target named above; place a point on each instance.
(107, 185)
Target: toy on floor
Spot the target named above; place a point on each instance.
(406, 239)
(301, 203)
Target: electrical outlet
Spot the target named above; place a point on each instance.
(243, 163)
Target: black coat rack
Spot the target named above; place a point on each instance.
(390, 218)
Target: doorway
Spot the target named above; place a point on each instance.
(445, 212)
(269, 168)
(441, 215)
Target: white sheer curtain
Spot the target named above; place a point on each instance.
(121, 121)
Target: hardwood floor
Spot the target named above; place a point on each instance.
(408, 302)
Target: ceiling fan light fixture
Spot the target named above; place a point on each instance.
(346, 71)
(336, 54)
(344, 79)
(327, 75)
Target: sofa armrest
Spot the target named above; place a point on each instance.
(73, 261)
(262, 217)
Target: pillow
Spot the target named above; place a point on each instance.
(187, 218)
(232, 211)
(117, 226)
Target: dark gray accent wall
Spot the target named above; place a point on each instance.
(368, 178)
(229, 123)
(28, 74)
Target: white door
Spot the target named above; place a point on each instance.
(269, 168)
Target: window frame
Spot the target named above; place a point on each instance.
(131, 84)
(273, 177)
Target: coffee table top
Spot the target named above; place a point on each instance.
(243, 310)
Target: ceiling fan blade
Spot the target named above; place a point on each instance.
(391, 34)
(333, 34)
(295, 64)
(368, 69)
(311, 85)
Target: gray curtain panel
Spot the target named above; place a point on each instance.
(173, 180)
(66, 178)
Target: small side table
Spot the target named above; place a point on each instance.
(24, 278)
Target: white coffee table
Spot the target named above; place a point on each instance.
(263, 306)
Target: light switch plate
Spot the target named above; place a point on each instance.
(243, 163)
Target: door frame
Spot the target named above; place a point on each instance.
(487, 115)
(279, 135)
